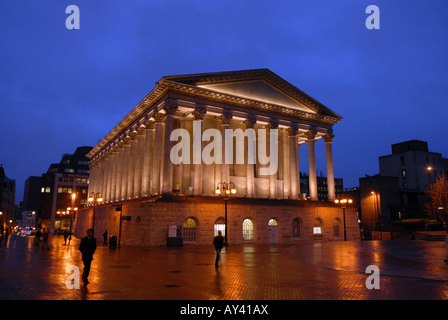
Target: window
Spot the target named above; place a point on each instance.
(220, 225)
(189, 230)
(272, 222)
(317, 227)
(64, 190)
(69, 170)
(403, 173)
(296, 228)
(248, 230)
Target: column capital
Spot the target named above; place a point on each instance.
(328, 138)
(250, 122)
(199, 113)
(160, 117)
(141, 129)
(225, 118)
(127, 140)
(134, 135)
(150, 124)
(272, 125)
(292, 131)
(170, 107)
(310, 135)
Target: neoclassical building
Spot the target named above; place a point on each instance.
(163, 162)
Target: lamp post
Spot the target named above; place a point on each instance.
(94, 199)
(225, 190)
(343, 202)
(378, 213)
(428, 171)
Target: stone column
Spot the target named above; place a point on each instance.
(147, 158)
(330, 170)
(109, 164)
(113, 180)
(198, 114)
(272, 177)
(141, 131)
(157, 153)
(170, 109)
(224, 122)
(292, 132)
(124, 167)
(131, 165)
(119, 170)
(312, 175)
(250, 167)
(92, 175)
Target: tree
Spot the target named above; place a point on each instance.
(437, 194)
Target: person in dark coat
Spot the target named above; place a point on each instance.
(218, 242)
(87, 248)
(105, 238)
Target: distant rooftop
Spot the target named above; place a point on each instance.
(411, 145)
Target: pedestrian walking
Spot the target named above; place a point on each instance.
(45, 236)
(65, 237)
(105, 238)
(37, 238)
(218, 242)
(87, 248)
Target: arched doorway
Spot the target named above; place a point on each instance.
(248, 230)
(273, 231)
(189, 230)
(336, 228)
(220, 225)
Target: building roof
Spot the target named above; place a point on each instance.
(252, 91)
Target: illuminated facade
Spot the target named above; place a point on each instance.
(133, 164)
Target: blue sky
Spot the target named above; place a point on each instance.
(62, 88)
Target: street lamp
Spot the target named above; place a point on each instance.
(225, 190)
(378, 213)
(94, 199)
(343, 202)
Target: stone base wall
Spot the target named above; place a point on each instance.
(150, 218)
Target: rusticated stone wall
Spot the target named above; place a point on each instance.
(150, 218)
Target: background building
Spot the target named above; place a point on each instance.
(7, 198)
(322, 187)
(398, 191)
(132, 165)
(31, 194)
(70, 176)
(415, 167)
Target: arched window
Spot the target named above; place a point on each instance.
(248, 230)
(336, 228)
(220, 225)
(189, 230)
(296, 228)
(317, 226)
(272, 222)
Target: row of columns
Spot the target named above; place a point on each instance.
(140, 164)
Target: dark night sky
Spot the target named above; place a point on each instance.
(62, 88)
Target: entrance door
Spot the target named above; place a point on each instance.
(273, 234)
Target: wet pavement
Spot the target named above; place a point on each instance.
(409, 269)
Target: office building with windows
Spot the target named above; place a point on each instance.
(62, 180)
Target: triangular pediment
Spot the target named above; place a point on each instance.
(260, 85)
(258, 90)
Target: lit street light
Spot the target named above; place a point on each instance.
(225, 190)
(343, 202)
